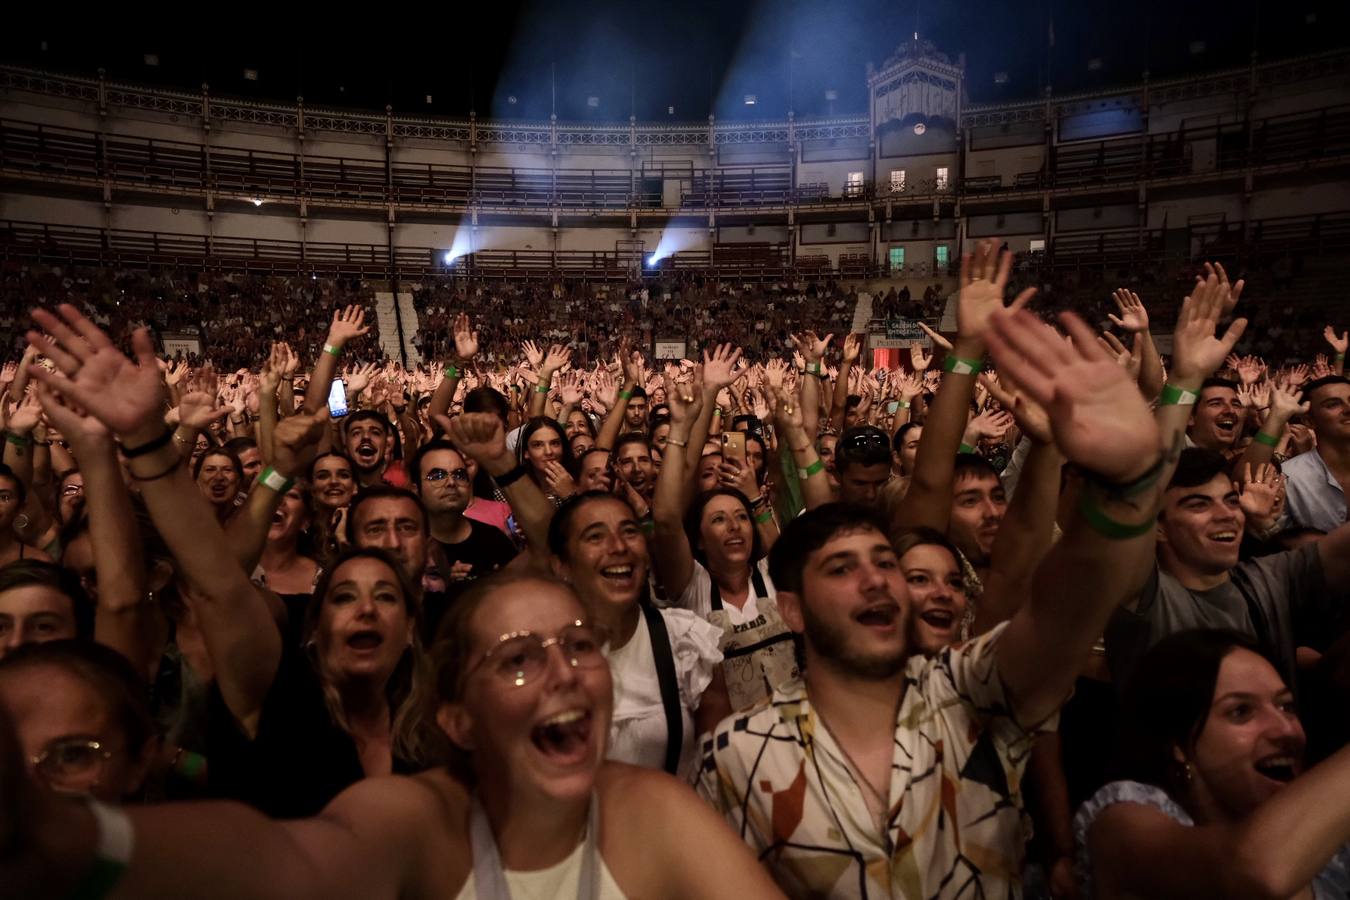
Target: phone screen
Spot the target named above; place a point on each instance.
(337, 399)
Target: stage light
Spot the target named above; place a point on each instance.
(920, 128)
(448, 257)
(652, 261)
(750, 99)
(511, 99)
(257, 201)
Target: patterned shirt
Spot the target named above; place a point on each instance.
(955, 825)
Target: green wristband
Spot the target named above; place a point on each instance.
(965, 448)
(627, 395)
(959, 366)
(332, 350)
(1175, 396)
(817, 466)
(1268, 439)
(274, 480)
(541, 389)
(1107, 527)
(813, 369)
(18, 440)
(451, 372)
(1340, 357)
(764, 516)
(902, 404)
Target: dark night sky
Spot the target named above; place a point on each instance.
(642, 56)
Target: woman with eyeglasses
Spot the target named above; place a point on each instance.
(81, 718)
(666, 663)
(527, 806)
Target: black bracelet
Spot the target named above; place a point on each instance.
(177, 461)
(149, 446)
(508, 478)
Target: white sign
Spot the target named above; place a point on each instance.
(669, 350)
(187, 345)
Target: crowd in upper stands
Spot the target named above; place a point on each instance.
(1053, 607)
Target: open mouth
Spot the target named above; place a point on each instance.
(334, 491)
(617, 573)
(365, 640)
(941, 619)
(1224, 537)
(879, 615)
(564, 738)
(1226, 424)
(367, 453)
(278, 517)
(1278, 768)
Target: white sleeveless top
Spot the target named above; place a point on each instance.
(560, 881)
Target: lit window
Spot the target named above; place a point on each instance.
(897, 181)
(853, 187)
(897, 258)
(944, 256)
(942, 178)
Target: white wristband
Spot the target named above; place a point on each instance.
(271, 478)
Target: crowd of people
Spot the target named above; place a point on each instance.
(1041, 612)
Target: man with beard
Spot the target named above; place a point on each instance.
(978, 506)
(1216, 422)
(366, 434)
(882, 773)
(461, 548)
(632, 461)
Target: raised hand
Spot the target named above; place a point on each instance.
(175, 372)
(533, 355)
(937, 339)
(992, 424)
(1250, 369)
(1284, 403)
(358, 377)
(348, 324)
(774, 372)
(198, 409)
(1321, 366)
(295, 441)
(719, 367)
(1296, 376)
(811, 347)
(685, 401)
(24, 417)
(910, 386)
(1260, 494)
(557, 357)
(919, 358)
(290, 361)
(1340, 342)
(604, 391)
(1098, 417)
(569, 388)
(1196, 350)
(731, 474)
(853, 347)
(128, 397)
(984, 279)
(787, 408)
(1028, 414)
(1133, 317)
(480, 436)
(1130, 359)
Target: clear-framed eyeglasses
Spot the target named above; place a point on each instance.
(522, 656)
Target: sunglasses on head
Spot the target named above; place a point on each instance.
(461, 475)
(867, 440)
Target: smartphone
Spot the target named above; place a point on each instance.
(733, 446)
(892, 407)
(337, 399)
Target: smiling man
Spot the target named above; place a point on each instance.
(366, 435)
(1199, 583)
(1216, 421)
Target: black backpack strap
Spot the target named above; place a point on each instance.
(715, 593)
(670, 687)
(756, 583)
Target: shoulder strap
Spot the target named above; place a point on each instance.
(756, 583)
(670, 688)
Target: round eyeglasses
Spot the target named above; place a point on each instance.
(522, 656)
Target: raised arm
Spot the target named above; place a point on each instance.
(557, 357)
(1284, 405)
(466, 348)
(1027, 531)
(241, 636)
(631, 360)
(1339, 343)
(812, 349)
(482, 437)
(671, 554)
(1101, 423)
(1133, 319)
(788, 415)
(347, 325)
(984, 276)
(839, 401)
(127, 618)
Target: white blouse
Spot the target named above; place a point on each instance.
(638, 732)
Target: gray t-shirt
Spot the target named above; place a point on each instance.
(1288, 590)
